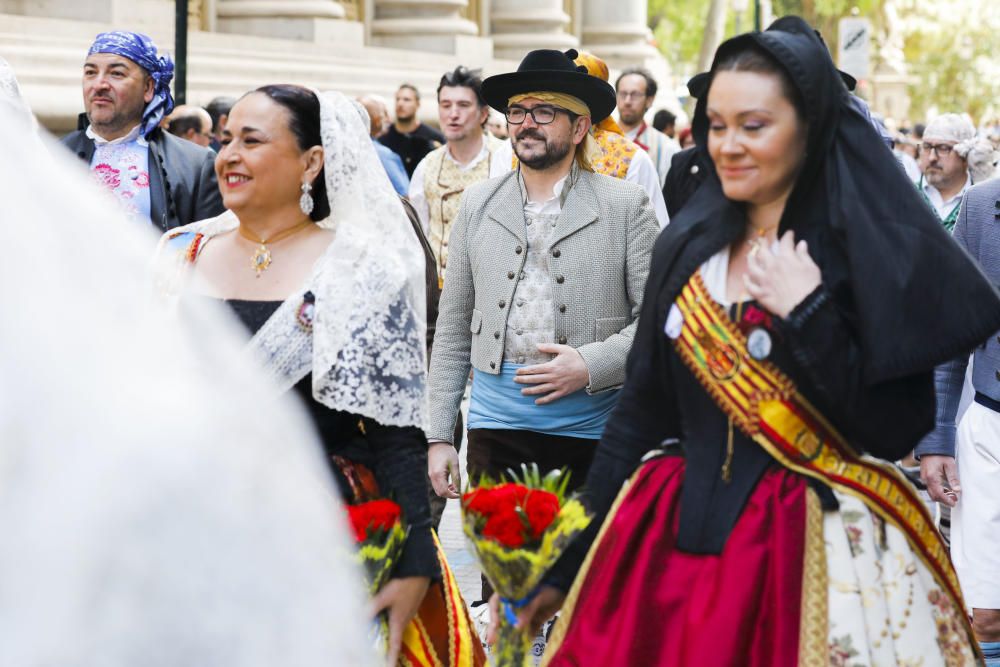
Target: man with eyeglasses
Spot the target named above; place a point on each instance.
(545, 279)
(192, 123)
(620, 157)
(946, 176)
(635, 90)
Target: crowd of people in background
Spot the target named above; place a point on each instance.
(798, 264)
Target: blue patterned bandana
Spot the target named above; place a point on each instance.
(140, 49)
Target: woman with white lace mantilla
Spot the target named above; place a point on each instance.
(317, 258)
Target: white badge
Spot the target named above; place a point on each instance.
(759, 344)
(674, 323)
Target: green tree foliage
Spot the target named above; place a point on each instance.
(950, 45)
(677, 26)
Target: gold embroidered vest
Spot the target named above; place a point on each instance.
(444, 183)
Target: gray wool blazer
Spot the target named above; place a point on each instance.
(598, 266)
(978, 231)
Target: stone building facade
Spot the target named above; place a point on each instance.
(356, 46)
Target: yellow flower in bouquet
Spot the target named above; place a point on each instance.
(380, 535)
(518, 530)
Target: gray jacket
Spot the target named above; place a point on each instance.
(598, 267)
(182, 185)
(978, 231)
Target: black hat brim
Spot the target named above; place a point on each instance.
(598, 95)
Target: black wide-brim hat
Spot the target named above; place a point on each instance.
(553, 72)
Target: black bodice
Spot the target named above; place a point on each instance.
(397, 455)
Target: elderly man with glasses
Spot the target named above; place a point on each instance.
(952, 158)
(545, 279)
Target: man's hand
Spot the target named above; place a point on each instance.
(442, 468)
(556, 378)
(531, 616)
(940, 474)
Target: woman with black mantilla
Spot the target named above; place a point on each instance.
(794, 313)
(318, 260)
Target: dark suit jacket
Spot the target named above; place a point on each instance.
(182, 185)
(688, 169)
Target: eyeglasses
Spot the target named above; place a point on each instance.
(542, 115)
(631, 94)
(942, 150)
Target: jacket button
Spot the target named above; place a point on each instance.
(560, 280)
(562, 308)
(503, 303)
(510, 274)
(518, 250)
(556, 253)
(496, 334)
(562, 340)
(493, 364)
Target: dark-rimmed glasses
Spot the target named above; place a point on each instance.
(942, 150)
(542, 115)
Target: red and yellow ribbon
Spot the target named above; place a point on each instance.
(765, 404)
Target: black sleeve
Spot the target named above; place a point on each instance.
(646, 414)
(885, 419)
(401, 470)
(207, 197)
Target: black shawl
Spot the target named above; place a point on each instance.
(916, 298)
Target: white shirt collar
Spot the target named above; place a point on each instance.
(484, 153)
(943, 207)
(133, 135)
(554, 204)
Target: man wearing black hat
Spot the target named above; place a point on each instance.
(546, 272)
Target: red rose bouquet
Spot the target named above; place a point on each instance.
(518, 530)
(380, 535)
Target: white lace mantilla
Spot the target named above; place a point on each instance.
(366, 347)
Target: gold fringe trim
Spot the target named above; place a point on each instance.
(569, 606)
(814, 618)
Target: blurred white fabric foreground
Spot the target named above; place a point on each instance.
(157, 505)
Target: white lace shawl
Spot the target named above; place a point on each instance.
(366, 347)
(10, 96)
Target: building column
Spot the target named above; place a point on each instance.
(310, 20)
(519, 26)
(421, 25)
(617, 33)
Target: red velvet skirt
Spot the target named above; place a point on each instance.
(645, 602)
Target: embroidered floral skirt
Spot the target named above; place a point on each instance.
(794, 585)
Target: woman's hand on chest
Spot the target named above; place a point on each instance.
(780, 278)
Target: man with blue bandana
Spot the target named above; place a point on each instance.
(157, 177)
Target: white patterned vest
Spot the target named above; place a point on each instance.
(444, 183)
(532, 320)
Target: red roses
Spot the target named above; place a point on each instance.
(513, 514)
(375, 516)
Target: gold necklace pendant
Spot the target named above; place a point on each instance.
(261, 259)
